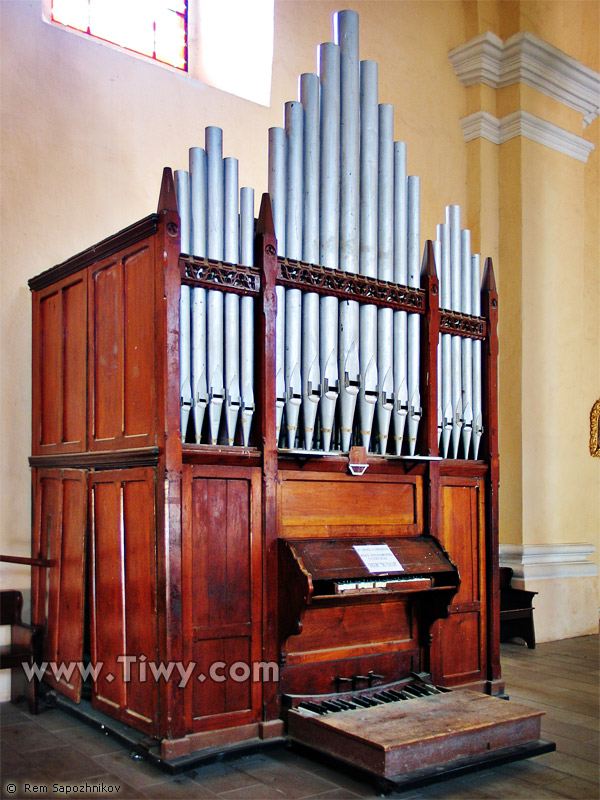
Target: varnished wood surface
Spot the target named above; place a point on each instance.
(399, 737)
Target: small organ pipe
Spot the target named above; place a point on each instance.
(437, 254)
(182, 191)
(401, 277)
(453, 220)
(445, 302)
(231, 254)
(329, 229)
(277, 192)
(477, 398)
(369, 147)
(414, 234)
(215, 241)
(197, 158)
(467, 344)
(247, 315)
(293, 297)
(385, 259)
(311, 373)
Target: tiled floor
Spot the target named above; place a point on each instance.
(560, 678)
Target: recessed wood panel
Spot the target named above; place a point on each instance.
(221, 593)
(63, 525)
(459, 651)
(461, 647)
(351, 630)
(330, 507)
(59, 367)
(124, 622)
(460, 537)
(122, 352)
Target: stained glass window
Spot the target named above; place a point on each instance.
(154, 28)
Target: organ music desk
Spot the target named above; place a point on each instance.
(180, 552)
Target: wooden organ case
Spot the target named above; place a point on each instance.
(215, 583)
(170, 553)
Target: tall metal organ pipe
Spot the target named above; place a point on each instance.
(197, 159)
(346, 36)
(385, 266)
(311, 371)
(453, 220)
(369, 164)
(277, 192)
(329, 230)
(401, 277)
(232, 301)
(293, 297)
(215, 304)
(414, 322)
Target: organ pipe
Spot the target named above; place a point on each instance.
(329, 230)
(311, 372)
(182, 191)
(197, 159)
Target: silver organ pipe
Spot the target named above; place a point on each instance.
(214, 239)
(246, 315)
(385, 269)
(293, 238)
(467, 343)
(369, 146)
(445, 295)
(182, 191)
(329, 239)
(414, 322)
(232, 301)
(341, 198)
(346, 33)
(277, 192)
(197, 159)
(437, 254)
(401, 277)
(453, 220)
(477, 398)
(311, 370)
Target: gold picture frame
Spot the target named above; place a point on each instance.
(594, 430)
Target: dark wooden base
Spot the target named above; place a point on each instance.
(428, 775)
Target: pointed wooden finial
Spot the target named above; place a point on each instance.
(167, 200)
(265, 223)
(489, 281)
(428, 263)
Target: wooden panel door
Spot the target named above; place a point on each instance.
(459, 642)
(123, 595)
(221, 577)
(60, 525)
(60, 366)
(122, 380)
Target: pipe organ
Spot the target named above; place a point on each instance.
(273, 443)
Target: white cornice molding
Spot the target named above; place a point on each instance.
(543, 561)
(483, 125)
(525, 58)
